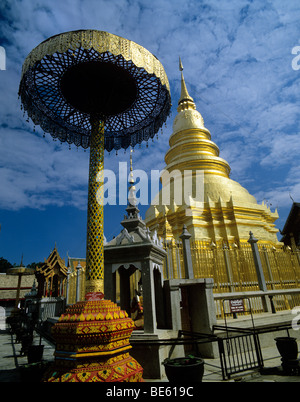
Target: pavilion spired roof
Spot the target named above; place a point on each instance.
(54, 265)
(135, 231)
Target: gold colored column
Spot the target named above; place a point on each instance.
(95, 221)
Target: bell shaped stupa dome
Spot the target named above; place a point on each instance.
(226, 209)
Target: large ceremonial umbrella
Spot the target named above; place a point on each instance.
(97, 90)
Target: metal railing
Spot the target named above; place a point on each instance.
(239, 350)
(234, 270)
(270, 301)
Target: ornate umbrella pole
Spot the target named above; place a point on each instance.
(96, 90)
(95, 220)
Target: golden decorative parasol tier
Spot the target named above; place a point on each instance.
(92, 88)
(20, 271)
(73, 75)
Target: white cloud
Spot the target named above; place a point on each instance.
(284, 150)
(280, 196)
(35, 172)
(237, 65)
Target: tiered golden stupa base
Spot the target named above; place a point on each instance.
(92, 343)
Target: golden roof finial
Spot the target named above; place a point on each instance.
(184, 96)
(185, 99)
(131, 180)
(131, 193)
(180, 65)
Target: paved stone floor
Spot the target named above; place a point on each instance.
(12, 363)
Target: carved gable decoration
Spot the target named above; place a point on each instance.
(51, 275)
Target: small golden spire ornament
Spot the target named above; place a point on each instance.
(184, 95)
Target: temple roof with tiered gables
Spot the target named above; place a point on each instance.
(53, 265)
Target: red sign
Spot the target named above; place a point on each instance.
(94, 296)
(236, 306)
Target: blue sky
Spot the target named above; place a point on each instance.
(237, 58)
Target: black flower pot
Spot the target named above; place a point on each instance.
(35, 353)
(287, 347)
(184, 369)
(31, 372)
(26, 341)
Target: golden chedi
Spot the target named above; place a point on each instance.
(224, 211)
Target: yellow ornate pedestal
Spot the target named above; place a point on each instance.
(92, 344)
(92, 337)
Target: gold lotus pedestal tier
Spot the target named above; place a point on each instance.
(92, 344)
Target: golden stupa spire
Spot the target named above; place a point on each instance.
(222, 210)
(185, 100)
(191, 147)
